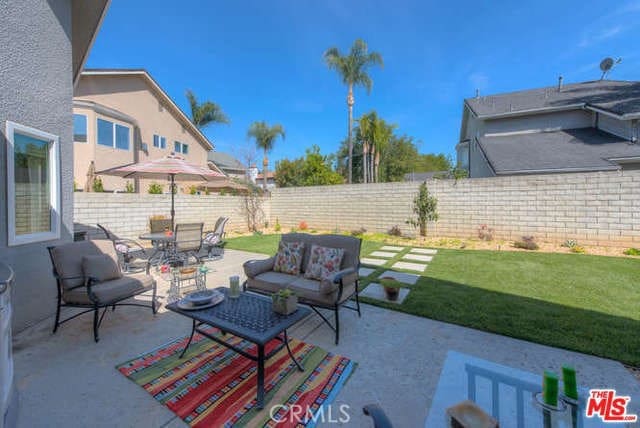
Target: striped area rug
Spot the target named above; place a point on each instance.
(214, 386)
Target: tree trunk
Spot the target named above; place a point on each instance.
(265, 163)
(350, 102)
(372, 154)
(377, 164)
(364, 161)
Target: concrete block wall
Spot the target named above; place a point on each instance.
(593, 208)
(127, 214)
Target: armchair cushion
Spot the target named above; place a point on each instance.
(67, 259)
(100, 267)
(289, 257)
(111, 291)
(253, 268)
(323, 262)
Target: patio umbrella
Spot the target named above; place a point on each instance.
(171, 167)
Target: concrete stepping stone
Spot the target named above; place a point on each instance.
(424, 251)
(363, 271)
(406, 278)
(417, 257)
(418, 267)
(373, 262)
(376, 291)
(383, 254)
(391, 248)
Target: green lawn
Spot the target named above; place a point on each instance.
(585, 303)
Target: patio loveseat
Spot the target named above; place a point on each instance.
(331, 289)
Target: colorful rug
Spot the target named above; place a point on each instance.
(214, 386)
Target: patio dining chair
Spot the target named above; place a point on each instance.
(131, 254)
(88, 276)
(213, 240)
(188, 241)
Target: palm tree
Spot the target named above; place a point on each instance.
(265, 136)
(353, 70)
(206, 113)
(374, 133)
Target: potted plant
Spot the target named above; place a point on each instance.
(285, 301)
(391, 287)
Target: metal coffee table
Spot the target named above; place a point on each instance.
(249, 317)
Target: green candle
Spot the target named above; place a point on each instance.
(569, 380)
(550, 388)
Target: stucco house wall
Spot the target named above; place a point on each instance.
(133, 97)
(36, 90)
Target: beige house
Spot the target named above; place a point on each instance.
(122, 117)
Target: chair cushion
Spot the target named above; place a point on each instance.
(101, 267)
(111, 291)
(289, 257)
(270, 281)
(211, 238)
(323, 262)
(67, 259)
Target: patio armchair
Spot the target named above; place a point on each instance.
(188, 241)
(214, 240)
(131, 254)
(88, 276)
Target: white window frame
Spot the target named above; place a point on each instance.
(54, 180)
(182, 147)
(113, 142)
(160, 140)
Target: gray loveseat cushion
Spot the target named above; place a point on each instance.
(111, 291)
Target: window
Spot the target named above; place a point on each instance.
(113, 134)
(33, 185)
(159, 142)
(80, 128)
(179, 147)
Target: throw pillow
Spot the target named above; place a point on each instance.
(101, 267)
(289, 257)
(211, 238)
(323, 262)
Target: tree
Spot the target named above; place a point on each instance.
(352, 68)
(374, 134)
(265, 137)
(314, 169)
(432, 162)
(251, 206)
(206, 113)
(425, 208)
(398, 158)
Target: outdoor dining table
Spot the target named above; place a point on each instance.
(163, 245)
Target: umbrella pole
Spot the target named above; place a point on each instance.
(173, 212)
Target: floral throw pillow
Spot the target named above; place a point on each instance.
(289, 257)
(324, 262)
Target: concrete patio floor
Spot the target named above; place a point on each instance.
(68, 380)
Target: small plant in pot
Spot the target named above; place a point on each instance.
(391, 287)
(284, 301)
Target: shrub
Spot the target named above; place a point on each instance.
(193, 190)
(577, 249)
(128, 188)
(394, 231)
(223, 192)
(570, 243)
(425, 208)
(155, 189)
(526, 243)
(632, 251)
(257, 233)
(277, 226)
(303, 225)
(485, 233)
(358, 232)
(75, 186)
(97, 185)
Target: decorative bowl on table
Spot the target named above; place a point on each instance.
(202, 297)
(187, 270)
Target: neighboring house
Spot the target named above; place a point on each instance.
(124, 116)
(46, 44)
(590, 126)
(271, 180)
(228, 164)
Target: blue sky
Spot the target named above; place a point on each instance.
(262, 60)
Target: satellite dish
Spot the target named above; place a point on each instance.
(607, 64)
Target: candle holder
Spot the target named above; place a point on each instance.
(539, 400)
(567, 400)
